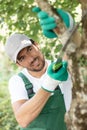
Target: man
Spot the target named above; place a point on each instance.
(42, 103)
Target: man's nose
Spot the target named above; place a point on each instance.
(30, 58)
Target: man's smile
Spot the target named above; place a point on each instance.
(35, 62)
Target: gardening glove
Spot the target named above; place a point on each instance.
(54, 78)
(48, 23)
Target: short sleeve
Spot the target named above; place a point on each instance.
(17, 89)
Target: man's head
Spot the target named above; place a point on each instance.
(15, 43)
(24, 52)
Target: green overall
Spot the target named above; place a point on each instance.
(52, 115)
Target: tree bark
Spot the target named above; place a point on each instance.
(76, 118)
(79, 104)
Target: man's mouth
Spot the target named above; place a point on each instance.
(35, 62)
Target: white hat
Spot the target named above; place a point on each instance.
(15, 43)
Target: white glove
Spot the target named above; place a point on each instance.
(50, 84)
(54, 78)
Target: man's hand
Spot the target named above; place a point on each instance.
(54, 78)
(48, 23)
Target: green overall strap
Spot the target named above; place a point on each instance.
(28, 84)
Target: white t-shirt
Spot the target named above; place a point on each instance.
(18, 91)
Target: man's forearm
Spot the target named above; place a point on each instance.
(29, 110)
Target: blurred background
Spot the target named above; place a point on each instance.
(17, 16)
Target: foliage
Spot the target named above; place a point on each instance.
(7, 119)
(17, 16)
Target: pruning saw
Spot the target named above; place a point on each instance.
(61, 30)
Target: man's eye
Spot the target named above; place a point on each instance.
(21, 59)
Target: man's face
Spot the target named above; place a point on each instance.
(31, 58)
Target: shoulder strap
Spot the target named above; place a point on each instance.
(28, 84)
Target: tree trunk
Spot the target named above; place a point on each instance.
(76, 118)
(78, 111)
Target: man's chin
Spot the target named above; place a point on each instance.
(38, 69)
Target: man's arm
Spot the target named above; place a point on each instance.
(27, 110)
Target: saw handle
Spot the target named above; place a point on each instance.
(57, 65)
